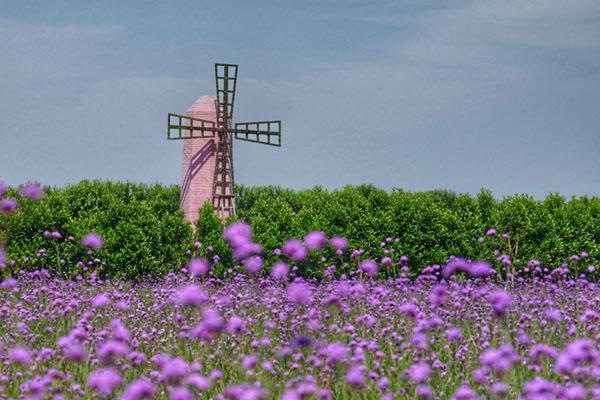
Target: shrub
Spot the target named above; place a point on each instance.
(143, 228)
(145, 232)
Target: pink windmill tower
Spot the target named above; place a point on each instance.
(208, 133)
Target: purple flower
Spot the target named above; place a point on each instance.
(212, 321)
(32, 190)
(315, 240)
(105, 380)
(294, 249)
(368, 267)
(499, 360)
(246, 250)
(174, 370)
(235, 325)
(136, 358)
(356, 376)
(339, 243)
(387, 261)
(93, 241)
(75, 352)
(119, 331)
(8, 283)
(419, 372)
(8, 206)
(109, 350)
(575, 355)
(575, 392)
(424, 392)
(101, 300)
(180, 393)
(199, 382)
(480, 269)
(139, 389)
(253, 264)
(2, 258)
(239, 237)
(465, 393)
(437, 295)
(500, 301)
(456, 265)
(539, 389)
(539, 350)
(301, 341)
(453, 334)
(19, 355)
(491, 232)
(238, 233)
(336, 353)
(244, 392)
(249, 362)
(409, 309)
(499, 389)
(299, 293)
(280, 271)
(198, 267)
(192, 295)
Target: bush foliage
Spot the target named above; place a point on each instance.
(146, 234)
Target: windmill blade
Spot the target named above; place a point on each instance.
(184, 127)
(226, 80)
(263, 132)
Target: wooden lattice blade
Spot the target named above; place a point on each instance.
(263, 132)
(226, 80)
(184, 127)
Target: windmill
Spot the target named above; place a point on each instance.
(208, 125)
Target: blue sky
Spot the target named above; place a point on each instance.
(418, 95)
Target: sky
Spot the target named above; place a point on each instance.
(417, 95)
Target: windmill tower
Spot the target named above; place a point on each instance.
(208, 133)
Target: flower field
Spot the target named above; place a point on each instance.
(467, 329)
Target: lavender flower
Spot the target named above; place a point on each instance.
(368, 267)
(280, 271)
(139, 389)
(339, 243)
(315, 240)
(294, 249)
(19, 355)
(93, 241)
(198, 267)
(299, 293)
(356, 376)
(105, 380)
(192, 295)
(174, 371)
(500, 301)
(8, 206)
(419, 372)
(32, 190)
(253, 264)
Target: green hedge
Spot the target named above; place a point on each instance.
(431, 225)
(143, 228)
(145, 232)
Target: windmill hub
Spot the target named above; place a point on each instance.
(208, 133)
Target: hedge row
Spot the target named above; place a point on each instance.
(142, 225)
(146, 234)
